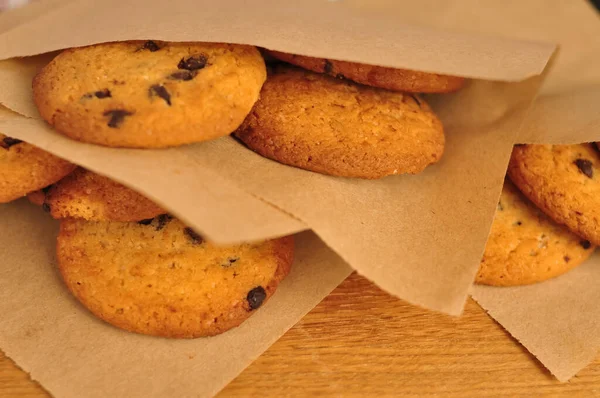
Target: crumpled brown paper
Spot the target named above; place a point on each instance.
(419, 237)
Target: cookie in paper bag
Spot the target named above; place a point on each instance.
(161, 278)
(563, 181)
(25, 168)
(90, 196)
(337, 127)
(525, 246)
(149, 94)
(376, 76)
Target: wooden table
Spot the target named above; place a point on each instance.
(362, 342)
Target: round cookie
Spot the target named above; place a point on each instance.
(162, 279)
(340, 128)
(525, 246)
(563, 181)
(25, 168)
(149, 94)
(87, 195)
(376, 76)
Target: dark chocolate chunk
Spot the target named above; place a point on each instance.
(161, 91)
(147, 221)
(256, 297)
(585, 244)
(46, 207)
(103, 93)
(151, 46)
(116, 117)
(327, 67)
(162, 220)
(98, 94)
(193, 235)
(184, 75)
(194, 62)
(567, 259)
(585, 166)
(7, 142)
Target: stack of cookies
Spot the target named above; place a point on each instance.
(332, 117)
(123, 256)
(547, 220)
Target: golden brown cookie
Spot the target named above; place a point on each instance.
(90, 196)
(163, 279)
(340, 128)
(149, 94)
(376, 76)
(25, 168)
(563, 181)
(526, 246)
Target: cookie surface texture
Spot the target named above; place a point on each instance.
(376, 76)
(340, 128)
(563, 181)
(525, 246)
(25, 168)
(162, 279)
(149, 94)
(90, 196)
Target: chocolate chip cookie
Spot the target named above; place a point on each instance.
(149, 94)
(563, 181)
(376, 76)
(25, 168)
(161, 278)
(319, 123)
(90, 196)
(526, 246)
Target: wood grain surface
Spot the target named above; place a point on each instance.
(362, 342)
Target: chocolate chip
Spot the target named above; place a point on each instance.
(147, 221)
(184, 75)
(150, 45)
(161, 91)
(585, 244)
(193, 235)
(585, 166)
(327, 67)
(195, 62)
(518, 223)
(256, 297)
(7, 142)
(116, 117)
(98, 94)
(46, 207)
(162, 220)
(46, 189)
(567, 259)
(103, 93)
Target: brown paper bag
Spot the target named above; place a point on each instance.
(419, 237)
(398, 231)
